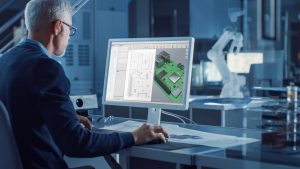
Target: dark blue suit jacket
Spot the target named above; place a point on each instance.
(35, 90)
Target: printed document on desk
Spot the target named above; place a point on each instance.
(189, 136)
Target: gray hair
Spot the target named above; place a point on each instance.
(39, 13)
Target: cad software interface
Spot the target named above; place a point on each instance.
(152, 71)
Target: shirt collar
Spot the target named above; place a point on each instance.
(37, 44)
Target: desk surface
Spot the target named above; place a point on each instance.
(224, 104)
(275, 89)
(160, 152)
(263, 153)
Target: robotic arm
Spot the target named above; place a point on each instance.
(232, 82)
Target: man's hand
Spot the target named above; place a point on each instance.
(85, 121)
(147, 133)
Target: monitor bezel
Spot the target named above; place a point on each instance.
(188, 72)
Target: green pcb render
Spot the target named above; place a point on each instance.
(169, 76)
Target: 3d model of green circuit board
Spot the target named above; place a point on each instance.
(169, 76)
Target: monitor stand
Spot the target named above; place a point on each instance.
(154, 116)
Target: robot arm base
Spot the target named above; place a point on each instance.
(232, 88)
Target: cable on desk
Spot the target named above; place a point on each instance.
(173, 115)
(178, 117)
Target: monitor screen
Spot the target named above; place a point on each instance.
(149, 72)
(241, 62)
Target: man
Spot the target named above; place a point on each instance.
(35, 90)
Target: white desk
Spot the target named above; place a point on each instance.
(226, 104)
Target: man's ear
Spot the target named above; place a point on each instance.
(57, 28)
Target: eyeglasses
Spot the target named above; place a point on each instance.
(72, 29)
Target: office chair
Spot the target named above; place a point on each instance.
(9, 154)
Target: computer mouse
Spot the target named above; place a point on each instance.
(156, 141)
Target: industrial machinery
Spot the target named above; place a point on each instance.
(232, 83)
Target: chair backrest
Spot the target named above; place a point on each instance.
(9, 154)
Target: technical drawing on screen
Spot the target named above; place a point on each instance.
(154, 73)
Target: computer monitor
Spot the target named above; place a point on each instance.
(241, 62)
(154, 73)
